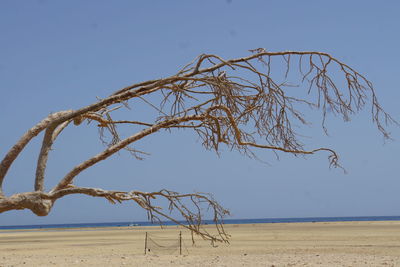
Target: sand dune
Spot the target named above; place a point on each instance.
(290, 244)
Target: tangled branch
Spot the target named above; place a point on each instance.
(243, 104)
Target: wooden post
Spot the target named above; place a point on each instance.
(145, 244)
(180, 243)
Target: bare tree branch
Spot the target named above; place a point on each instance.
(50, 135)
(24, 140)
(239, 103)
(111, 150)
(40, 203)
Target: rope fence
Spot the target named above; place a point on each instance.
(165, 245)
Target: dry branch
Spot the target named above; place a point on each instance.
(235, 103)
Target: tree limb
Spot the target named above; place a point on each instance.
(236, 102)
(41, 203)
(24, 140)
(50, 135)
(120, 145)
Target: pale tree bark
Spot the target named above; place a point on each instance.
(236, 103)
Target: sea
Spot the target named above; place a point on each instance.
(227, 221)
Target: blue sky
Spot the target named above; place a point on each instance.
(57, 55)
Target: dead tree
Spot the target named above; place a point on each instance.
(243, 104)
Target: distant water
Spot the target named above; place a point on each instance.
(229, 221)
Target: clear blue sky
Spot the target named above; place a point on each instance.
(57, 55)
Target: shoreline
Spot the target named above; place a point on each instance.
(166, 227)
(206, 222)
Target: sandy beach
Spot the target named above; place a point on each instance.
(279, 244)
